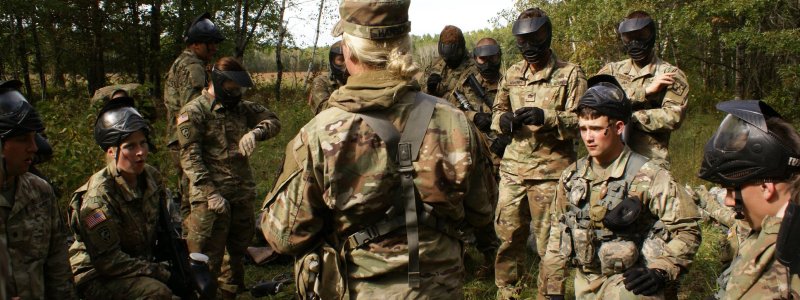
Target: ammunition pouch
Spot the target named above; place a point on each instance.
(320, 274)
(617, 256)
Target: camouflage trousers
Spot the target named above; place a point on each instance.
(395, 286)
(596, 286)
(213, 234)
(522, 206)
(139, 287)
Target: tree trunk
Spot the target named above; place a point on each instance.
(278, 49)
(314, 50)
(97, 73)
(39, 65)
(740, 80)
(139, 55)
(22, 52)
(155, 47)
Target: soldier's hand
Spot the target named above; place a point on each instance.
(158, 271)
(217, 204)
(644, 281)
(247, 144)
(507, 123)
(660, 82)
(498, 147)
(529, 116)
(483, 121)
(433, 82)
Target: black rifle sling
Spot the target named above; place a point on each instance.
(406, 151)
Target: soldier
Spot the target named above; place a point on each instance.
(373, 190)
(658, 91)
(31, 225)
(115, 214)
(488, 59)
(535, 105)
(185, 81)
(606, 205)
(218, 132)
(325, 85)
(755, 156)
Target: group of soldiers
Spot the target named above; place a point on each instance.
(380, 192)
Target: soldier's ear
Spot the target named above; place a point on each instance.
(769, 191)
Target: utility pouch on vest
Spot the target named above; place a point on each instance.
(617, 256)
(565, 246)
(583, 244)
(319, 274)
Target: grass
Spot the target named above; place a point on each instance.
(70, 122)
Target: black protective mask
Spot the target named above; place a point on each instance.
(490, 69)
(229, 98)
(535, 53)
(640, 51)
(339, 72)
(453, 54)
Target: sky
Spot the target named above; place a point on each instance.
(427, 17)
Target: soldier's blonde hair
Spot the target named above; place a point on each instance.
(393, 55)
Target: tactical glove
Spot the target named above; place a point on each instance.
(507, 123)
(247, 144)
(529, 116)
(644, 281)
(433, 82)
(158, 271)
(217, 204)
(483, 121)
(498, 147)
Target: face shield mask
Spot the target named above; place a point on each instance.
(490, 68)
(638, 38)
(533, 44)
(452, 54)
(338, 71)
(229, 95)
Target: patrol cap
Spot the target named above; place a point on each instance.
(606, 96)
(486, 50)
(374, 20)
(529, 25)
(634, 24)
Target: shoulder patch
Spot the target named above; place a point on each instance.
(95, 218)
(183, 117)
(679, 87)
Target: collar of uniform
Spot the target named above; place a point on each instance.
(212, 104)
(649, 70)
(191, 54)
(371, 90)
(771, 225)
(543, 74)
(617, 167)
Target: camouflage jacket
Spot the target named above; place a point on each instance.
(209, 137)
(321, 89)
(33, 228)
(541, 152)
(455, 80)
(337, 178)
(663, 198)
(185, 81)
(115, 225)
(758, 275)
(654, 116)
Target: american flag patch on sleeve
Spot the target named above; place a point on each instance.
(95, 218)
(182, 118)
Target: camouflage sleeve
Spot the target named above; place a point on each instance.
(482, 184)
(99, 230)
(677, 211)
(191, 126)
(502, 104)
(673, 107)
(566, 121)
(319, 94)
(291, 220)
(259, 117)
(196, 82)
(57, 272)
(553, 266)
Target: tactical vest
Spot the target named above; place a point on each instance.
(584, 219)
(404, 148)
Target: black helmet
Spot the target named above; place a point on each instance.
(17, 116)
(338, 72)
(743, 150)
(534, 51)
(229, 98)
(638, 50)
(116, 121)
(607, 97)
(203, 30)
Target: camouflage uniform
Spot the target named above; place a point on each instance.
(33, 228)
(321, 90)
(655, 116)
(534, 159)
(758, 274)
(338, 179)
(115, 233)
(455, 80)
(209, 136)
(669, 222)
(185, 81)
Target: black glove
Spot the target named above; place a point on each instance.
(529, 116)
(483, 121)
(507, 123)
(644, 281)
(498, 147)
(433, 82)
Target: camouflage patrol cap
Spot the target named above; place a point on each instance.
(374, 20)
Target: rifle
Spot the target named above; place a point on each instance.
(189, 277)
(463, 101)
(478, 89)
